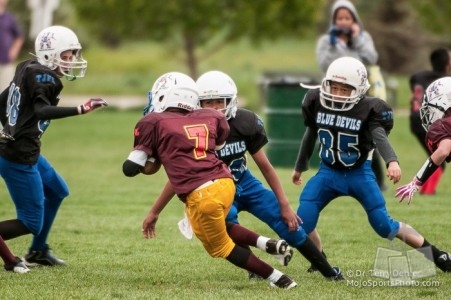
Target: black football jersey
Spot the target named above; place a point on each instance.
(17, 110)
(345, 136)
(438, 131)
(247, 133)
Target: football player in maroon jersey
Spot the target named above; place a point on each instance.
(435, 115)
(418, 83)
(184, 140)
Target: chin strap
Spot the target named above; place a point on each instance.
(70, 78)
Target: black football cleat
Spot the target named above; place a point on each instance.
(284, 282)
(443, 262)
(42, 258)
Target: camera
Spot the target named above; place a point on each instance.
(335, 30)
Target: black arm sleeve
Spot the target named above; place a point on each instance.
(44, 111)
(427, 170)
(383, 145)
(306, 150)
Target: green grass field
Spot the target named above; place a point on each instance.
(98, 230)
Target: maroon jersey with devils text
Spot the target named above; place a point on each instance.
(438, 131)
(185, 144)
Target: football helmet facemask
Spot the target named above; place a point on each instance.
(172, 89)
(49, 45)
(346, 70)
(218, 85)
(436, 101)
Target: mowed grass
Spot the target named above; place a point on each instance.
(98, 230)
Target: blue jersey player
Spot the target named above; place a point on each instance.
(349, 125)
(26, 108)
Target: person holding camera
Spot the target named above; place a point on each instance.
(345, 37)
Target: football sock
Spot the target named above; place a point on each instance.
(11, 229)
(51, 207)
(314, 256)
(241, 235)
(261, 243)
(275, 275)
(435, 252)
(5, 253)
(244, 259)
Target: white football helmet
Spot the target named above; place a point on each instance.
(218, 85)
(172, 89)
(347, 70)
(436, 101)
(49, 45)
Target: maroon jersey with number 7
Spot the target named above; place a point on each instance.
(185, 143)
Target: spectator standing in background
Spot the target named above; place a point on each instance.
(346, 37)
(418, 82)
(11, 41)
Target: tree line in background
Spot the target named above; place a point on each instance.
(403, 30)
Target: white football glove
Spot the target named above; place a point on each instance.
(92, 104)
(408, 190)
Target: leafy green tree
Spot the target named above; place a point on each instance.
(197, 27)
(405, 31)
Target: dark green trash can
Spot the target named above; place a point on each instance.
(284, 123)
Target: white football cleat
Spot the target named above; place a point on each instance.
(284, 259)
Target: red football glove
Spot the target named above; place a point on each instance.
(92, 104)
(408, 190)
